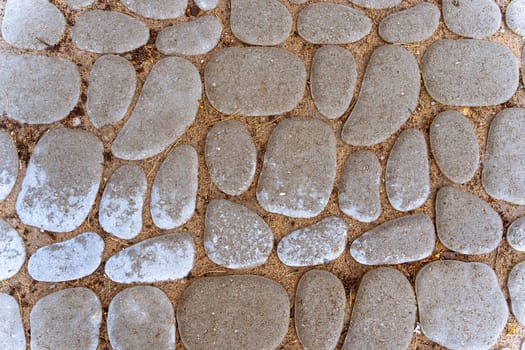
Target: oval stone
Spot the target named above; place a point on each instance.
(472, 18)
(233, 312)
(157, 9)
(53, 83)
(516, 234)
(328, 23)
(299, 168)
(206, 5)
(515, 16)
(61, 181)
(471, 73)
(68, 260)
(12, 251)
(78, 4)
(12, 334)
(254, 81)
(516, 285)
(102, 31)
(414, 24)
(376, 4)
(8, 164)
(389, 94)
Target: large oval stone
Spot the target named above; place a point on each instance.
(12, 335)
(414, 24)
(8, 164)
(472, 18)
(12, 251)
(157, 9)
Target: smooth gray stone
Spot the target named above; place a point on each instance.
(53, 84)
(141, 317)
(190, 38)
(157, 9)
(174, 191)
(61, 180)
(516, 234)
(388, 96)
(332, 80)
(328, 23)
(299, 168)
(358, 190)
(65, 320)
(12, 251)
(260, 22)
(319, 311)
(206, 5)
(460, 304)
(414, 24)
(376, 4)
(102, 31)
(473, 73)
(162, 258)
(166, 106)
(297, 1)
(407, 176)
(472, 18)
(516, 286)
(12, 336)
(384, 312)
(504, 167)
(231, 157)
(112, 84)
(32, 24)
(8, 164)
(120, 212)
(254, 81)
(317, 244)
(235, 236)
(515, 16)
(69, 260)
(78, 4)
(233, 312)
(455, 146)
(406, 239)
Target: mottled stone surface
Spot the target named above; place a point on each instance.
(516, 234)
(516, 285)
(8, 164)
(472, 18)
(12, 251)
(78, 4)
(414, 24)
(12, 336)
(376, 4)
(157, 9)
(206, 5)
(515, 16)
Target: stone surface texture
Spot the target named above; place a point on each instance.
(515, 16)
(12, 251)
(157, 9)
(516, 234)
(12, 334)
(8, 164)
(78, 4)
(376, 4)
(516, 285)
(472, 18)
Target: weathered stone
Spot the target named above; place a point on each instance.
(12, 336)
(516, 285)
(157, 9)
(516, 234)
(12, 251)
(472, 18)
(78, 4)
(515, 16)
(8, 164)
(376, 4)
(206, 5)
(414, 24)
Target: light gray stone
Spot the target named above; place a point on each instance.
(157, 9)
(52, 82)
(319, 311)
(460, 304)
(515, 16)
(317, 244)
(472, 18)
(65, 320)
(299, 168)
(414, 24)
(235, 236)
(141, 317)
(78, 4)
(120, 212)
(233, 312)
(231, 157)
(332, 80)
(12, 251)
(12, 336)
(8, 164)
(516, 234)
(384, 312)
(254, 81)
(376, 4)
(61, 180)
(206, 5)
(297, 1)
(389, 94)
(472, 73)
(329, 23)
(166, 106)
(516, 285)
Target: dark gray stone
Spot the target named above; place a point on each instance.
(376, 4)
(472, 18)
(414, 24)
(8, 164)
(516, 234)
(12, 336)
(516, 285)
(157, 9)
(206, 5)
(12, 251)
(515, 16)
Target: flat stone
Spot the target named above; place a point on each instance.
(516, 285)
(12, 334)
(235, 236)
(319, 311)
(384, 312)
(460, 304)
(516, 234)
(407, 177)
(141, 318)
(166, 106)
(231, 157)
(102, 31)
(162, 258)
(260, 22)
(120, 212)
(332, 80)
(206, 5)
(412, 25)
(174, 191)
(328, 23)
(376, 4)
(61, 180)
(69, 260)
(190, 38)
(406, 239)
(233, 312)
(388, 96)
(504, 170)
(472, 73)
(8, 164)
(157, 9)
(317, 244)
(78, 4)
(52, 82)
(32, 24)
(112, 84)
(454, 146)
(12, 251)
(358, 190)
(67, 319)
(515, 16)
(299, 168)
(254, 81)
(472, 18)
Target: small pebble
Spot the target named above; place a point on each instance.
(516, 234)
(206, 5)
(12, 336)
(472, 18)
(12, 251)
(8, 164)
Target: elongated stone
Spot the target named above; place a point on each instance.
(12, 251)
(376, 4)
(8, 164)
(414, 24)
(12, 334)
(515, 16)
(472, 18)
(157, 9)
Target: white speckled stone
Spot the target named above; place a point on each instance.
(206, 5)
(12, 336)
(78, 4)
(515, 16)
(472, 18)
(414, 24)
(8, 164)
(516, 234)
(157, 9)
(12, 251)
(376, 4)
